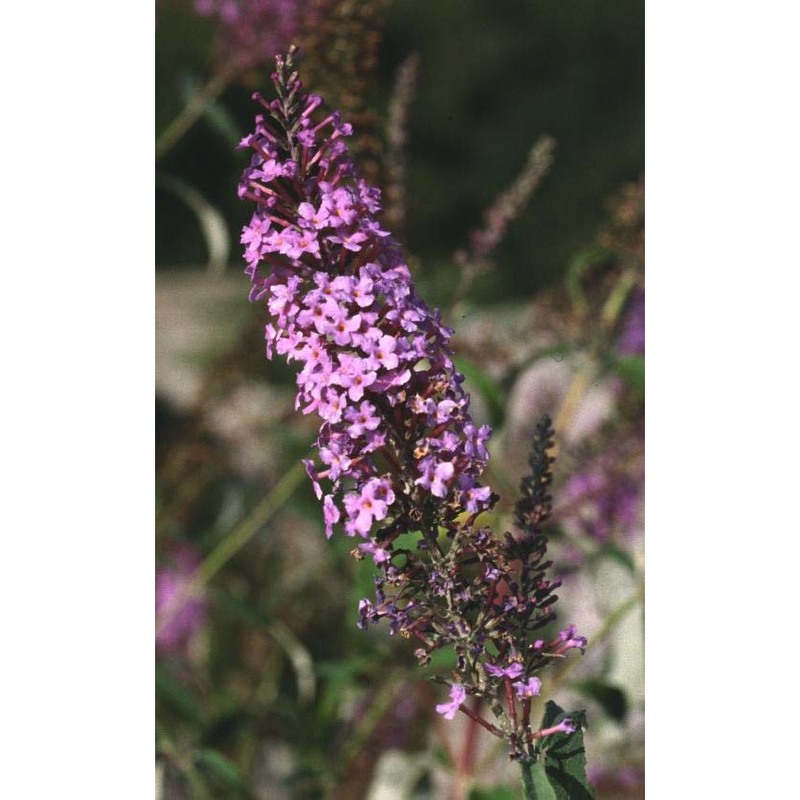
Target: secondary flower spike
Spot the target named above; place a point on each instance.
(375, 361)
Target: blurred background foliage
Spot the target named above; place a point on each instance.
(494, 77)
(265, 688)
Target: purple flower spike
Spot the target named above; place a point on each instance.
(604, 500)
(457, 696)
(399, 461)
(375, 362)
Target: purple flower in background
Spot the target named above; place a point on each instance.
(604, 500)
(631, 338)
(254, 30)
(457, 697)
(620, 780)
(180, 610)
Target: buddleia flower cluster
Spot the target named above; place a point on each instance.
(397, 451)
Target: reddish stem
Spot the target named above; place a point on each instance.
(526, 712)
(466, 762)
(512, 706)
(488, 725)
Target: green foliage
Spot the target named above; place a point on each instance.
(578, 266)
(565, 756)
(216, 114)
(492, 394)
(632, 370)
(214, 765)
(494, 793)
(611, 698)
(617, 554)
(338, 677)
(537, 783)
(176, 698)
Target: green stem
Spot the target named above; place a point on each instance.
(616, 300)
(528, 791)
(281, 493)
(192, 111)
(377, 708)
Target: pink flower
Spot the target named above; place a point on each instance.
(568, 639)
(382, 352)
(512, 671)
(370, 504)
(362, 419)
(435, 475)
(379, 554)
(331, 514)
(565, 726)
(529, 688)
(309, 217)
(180, 609)
(457, 696)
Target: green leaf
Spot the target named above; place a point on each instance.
(337, 676)
(535, 781)
(363, 584)
(489, 389)
(209, 218)
(575, 271)
(223, 123)
(565, 756)
(442, 758)
(631, 369)
(557, 353)
(177, 697)
(494, 793)
(611, 698)
(616, 553)
(214, 764)
(238, 609)
(218, 117)
(408, 540)
(443, 660)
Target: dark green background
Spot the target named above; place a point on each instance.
(495, 76)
